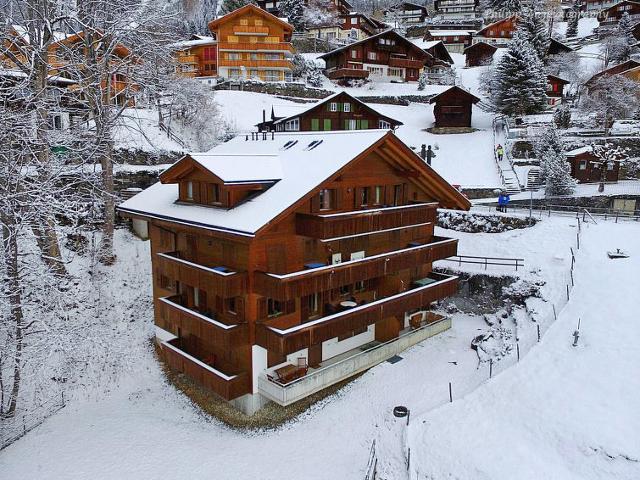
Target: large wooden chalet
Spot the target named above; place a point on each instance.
(386, 56)
(253, 43)
(339, 111)
(277, 255)
(197, 57)
(611, 15)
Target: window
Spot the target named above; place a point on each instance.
(359, 286)
(610, 166)
(189, 193)
(232, 38)
(234, 56)
(292, 125)
(372, 56)
(196, 297)
(383, 124)
(271, 40)
(254, 56)
(345, 290)
(397, 195)
(274, 307)
(326, 199)
(258, 22)
(244, 21)
(362, 124)
(364, 196)
(375, 70)
(315, 124)
(164, 282)
(378, 197)
(231, 305)
(354, 53)
(272, 56)
(333, 107)
(583, 165)
(214, 193)
(314, 304)
(346, 107)
(395, 72)
(350, 124)
(327, 124)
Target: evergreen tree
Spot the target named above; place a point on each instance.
(519, 83)
(621, 44)
(535, 28)
(574, 18)
(203, 12)
(293, 10)
(562, 116)
(229, 6)
(315, 78)
(555, 170)
(423, 81)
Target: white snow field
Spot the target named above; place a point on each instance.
(559, 414)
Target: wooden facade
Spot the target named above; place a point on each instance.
(629, 69)
(587, 168)
(454, 40)
(364, 236)
(337, 112)
(406, 13)
(555, 89)
(498, 33)
(386, 56)
(197, 57)
(613, 14)
(253, 43)
(453, 108)
(479, 54)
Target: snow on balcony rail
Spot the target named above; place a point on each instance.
(304, 326)
(197, 314)
(209, 368)
(375, 210)
(386, 230)
(311, 271)
(196, 265)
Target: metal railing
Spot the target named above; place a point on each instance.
(486, 261)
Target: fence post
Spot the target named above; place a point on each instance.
(538, 332)
(571, 272)
(518, 349)
(567, 292)
(555, 317)
(578, 239)
(450, 394)
(490, 367)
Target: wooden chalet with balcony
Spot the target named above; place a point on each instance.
(587, 168)
(253, 43)
(284, 263)
(339, 111)
(497, 33)
(454, 40)
(405, 14)
(387, 56)
(197, 57)
(608, 17)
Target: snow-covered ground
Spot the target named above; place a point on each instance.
(562, 404)
(564, 412)
(138, 130)
(585, 27)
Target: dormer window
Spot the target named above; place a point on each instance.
(189, 192)
(214, 193)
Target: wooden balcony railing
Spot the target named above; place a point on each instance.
(286, 341)
(306, 282)
(224, 284)
(338, 73)
(255, 63)
(215, 332)
(338, 225)
(405, 63)
(255, 47)
(227, 386)
(250, 29)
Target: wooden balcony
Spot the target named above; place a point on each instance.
(293, 339)
(217, 332)
(339, 73)
(225, 385)
(405, 63)
(256, 63)
(213, 280)
(330, 226)
(245, 29)
(255, 47)
(306, 282)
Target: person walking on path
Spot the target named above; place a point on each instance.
(500, 152)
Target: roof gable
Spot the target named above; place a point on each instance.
(454, 91)
(387, 33)
(512, 19)
(249, 8)
(481, 46)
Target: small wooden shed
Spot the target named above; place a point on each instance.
(586, 167)
(479, 54)
(453, 107)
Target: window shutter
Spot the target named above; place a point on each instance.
(346, 124)
(203, 299)
(339, 199)
(262, 308)
(315, 124)
(327, 124)
(357, 197)
(364, 124)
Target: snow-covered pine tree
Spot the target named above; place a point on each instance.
(555, 171)
(203, 12)
(574, 19)
(229, 6)
(519, 83)
(293, 10)
(422, 81)
(535, 28)
(504, 7)
(621, 44)
(562, 116)
(315, 78)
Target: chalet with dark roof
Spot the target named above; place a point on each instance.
(629, 69)
(611, 16)
(555, 89)
(497, 33)
(340, 111)
(479, 54)
(387, 56)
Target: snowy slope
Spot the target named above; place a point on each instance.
(143, 428)
(564, 412)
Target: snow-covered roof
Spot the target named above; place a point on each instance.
(302, 168)
(579, 151)
(194, 42)
(444, 33)
(233, 168)
(424, 44)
